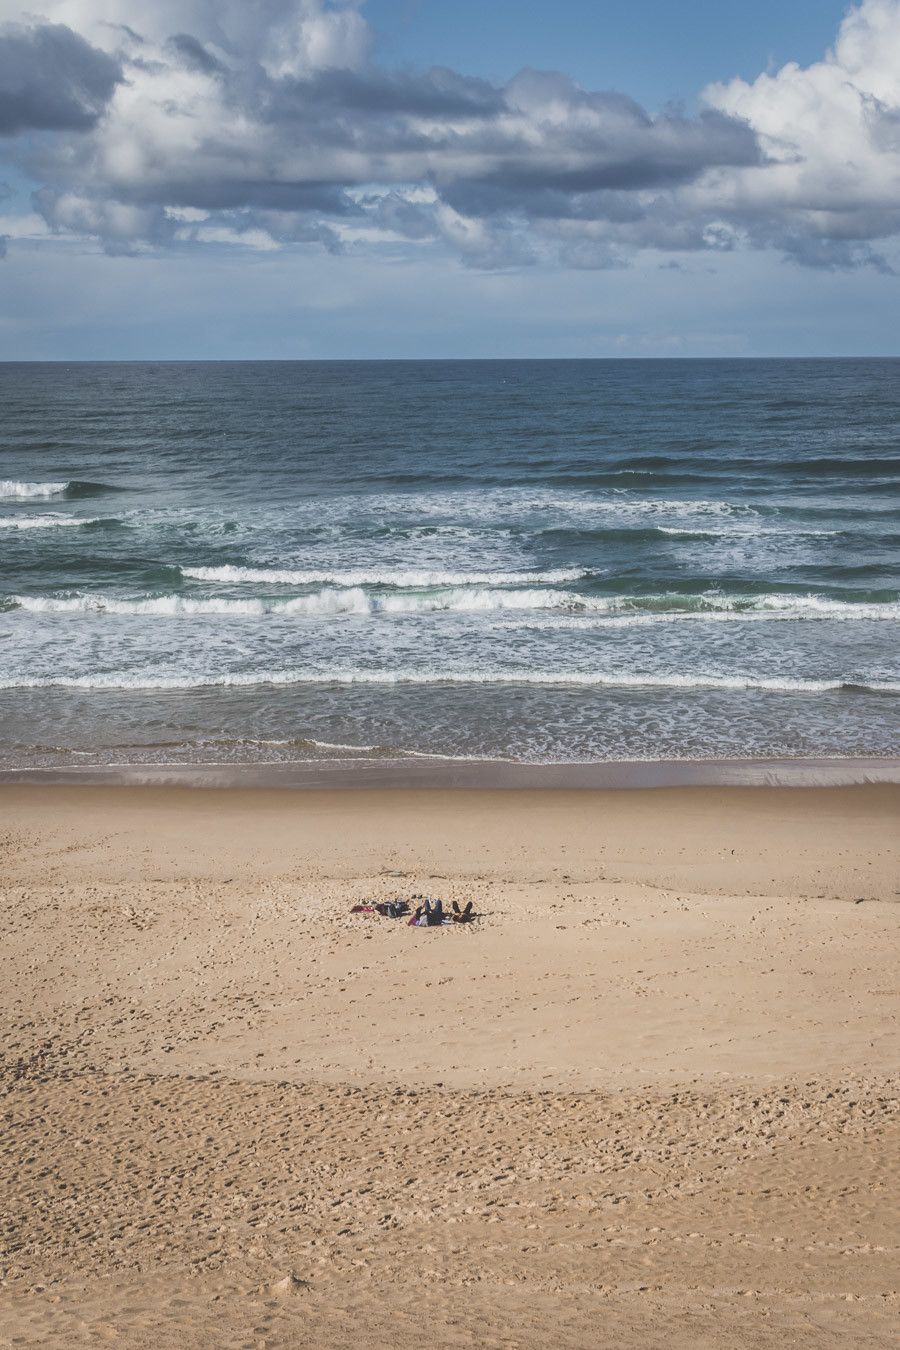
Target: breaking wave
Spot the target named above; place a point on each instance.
(45, 522)
(744, 532)
(578, 610)
(323, 604)
(73, 488)
(9, 487)
(579, 679)
(640, 611)
(400, 578)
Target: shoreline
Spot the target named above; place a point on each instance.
(436, 773)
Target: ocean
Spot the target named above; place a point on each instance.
(538, 561)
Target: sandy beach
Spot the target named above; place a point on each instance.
(649, 1098)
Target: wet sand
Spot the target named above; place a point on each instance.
(648, 1099)
(434, 772)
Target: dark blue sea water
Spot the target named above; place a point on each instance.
(558, 560)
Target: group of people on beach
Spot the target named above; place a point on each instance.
(428, 914)
(431, 914)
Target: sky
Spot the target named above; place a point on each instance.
(215, 179)
(655, 50)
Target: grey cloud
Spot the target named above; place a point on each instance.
(4, 245)
(596, 229)
(134, 38)
(211, 194)
(194, 54)
(537, 148)
(438, 93)
(610, 142)
(231, 129)
(484, 197)
(290, 228)
(834, 255)
(121, 227)
(392, 211)
(52, 80)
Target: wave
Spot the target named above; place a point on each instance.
(73, 488)
(399, 578)
(703, 460)
(649, 534)
(800, 509)
(859, 465)
(752, 532)
(583, 609)
(663, 506)
(795, 467)
(381, 751)
(649, 609)
(565, 679)
(803, 606)
(322, 604)
(711, 606)
(44, 522)
(9, 487)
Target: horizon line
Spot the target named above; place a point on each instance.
(407, 360)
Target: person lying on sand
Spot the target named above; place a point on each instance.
(390, 909)
(393, 909)
(432, 914)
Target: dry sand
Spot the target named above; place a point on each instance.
(649, 1099)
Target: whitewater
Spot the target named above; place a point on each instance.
(557, 561)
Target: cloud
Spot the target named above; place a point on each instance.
(122, 226)
(282, 38)
(831, 135)
(205, 122)
(194, 54)
(52, 80)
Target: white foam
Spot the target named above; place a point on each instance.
(333, 745)
(744, 532)
(577, 679)
(43, 522)
(719, 609)
(325, 603)
(501, 504)
(824, 607)
(10, 487)
(580, 610)
(586, 622)
(403, 579)
(478, 599)
(660, 506)
(163, 605)
(397, 751)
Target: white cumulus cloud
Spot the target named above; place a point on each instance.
(270, 123)
(831, 136)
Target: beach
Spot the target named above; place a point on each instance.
(449, 681)
(649, 1097)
